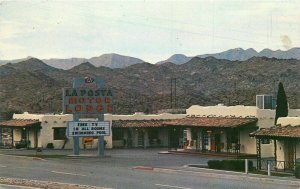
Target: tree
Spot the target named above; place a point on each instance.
(282, 105)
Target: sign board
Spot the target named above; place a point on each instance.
(88, 128)
(88, 140)
(87, 101)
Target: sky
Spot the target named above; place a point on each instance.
(149, 30)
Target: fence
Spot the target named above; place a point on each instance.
(285, 166)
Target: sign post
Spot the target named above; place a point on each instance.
(87, 101)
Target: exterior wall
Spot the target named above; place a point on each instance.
(294, 113)
(280, 150)
(224, 141)
(293, 121)
(164, 137)
(265, 120)
(221, 110)
(163, 134)
(17, 135)
(248, 144)
(297, 150)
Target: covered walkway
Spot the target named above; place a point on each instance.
(18, 131)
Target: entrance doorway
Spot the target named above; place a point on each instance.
(290, 155)
(141, 138)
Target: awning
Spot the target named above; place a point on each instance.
(212, 122)
(209, 122)
(137, 123)
(278, 132)
(20, 123)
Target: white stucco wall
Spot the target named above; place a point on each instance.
(293, 121)
(48, 122)
(221, 110)
(265, 120)
(248, 144)
(280, 150)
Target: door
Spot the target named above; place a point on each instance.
(218, 142)
(140, 138)
(290, 155)
(212, 143)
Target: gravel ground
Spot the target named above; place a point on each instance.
(44, 184)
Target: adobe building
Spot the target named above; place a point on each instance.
(216, 129)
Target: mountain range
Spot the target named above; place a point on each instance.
(32, 85)
(239, 54)
(120, 61)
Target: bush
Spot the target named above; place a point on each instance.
(23, 144)
(231, 165)
(297, 171)
(214, 164)
(50, 146)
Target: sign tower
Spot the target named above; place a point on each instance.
(89, 98)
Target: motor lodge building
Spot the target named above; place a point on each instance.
(214, 129)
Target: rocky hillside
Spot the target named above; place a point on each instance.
(239, 54)
(108, 60)
(34, 86)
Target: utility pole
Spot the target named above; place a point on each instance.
(173, 93)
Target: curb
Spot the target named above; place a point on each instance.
(146, 168)
(242, 176)
(44, 184)
(21, 156)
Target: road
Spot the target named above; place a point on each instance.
(116, 171)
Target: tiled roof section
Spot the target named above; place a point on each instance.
(219, 122)
(19, 123)
(278, 132)
(188, 122)
(137, 123)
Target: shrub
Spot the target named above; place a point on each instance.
(214, 164)
(231, 165)
(297, 171)
(50, 146)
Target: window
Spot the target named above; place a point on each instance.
(265, 141)
(59, 133)
(205, 139)
(117, 134)
(153, 133)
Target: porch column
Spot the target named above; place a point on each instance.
(35, 137)
(238, 146)
(258, 152)
(12, 138)
(1, 135)
(27, 137)
(275, 151)
(228, 141)
(202, 139)
(188, 137)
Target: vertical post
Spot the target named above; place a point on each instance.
(77, 82)
(275, 151)
(101, 138)
(75, 138)
(101, 145)
(246, 166)
(175, 95)
(12, 137)
(269, 169)
(1, 135)
(171, 93)
(258, 151)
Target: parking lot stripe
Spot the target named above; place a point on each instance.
(58, 172)
(170, 186)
